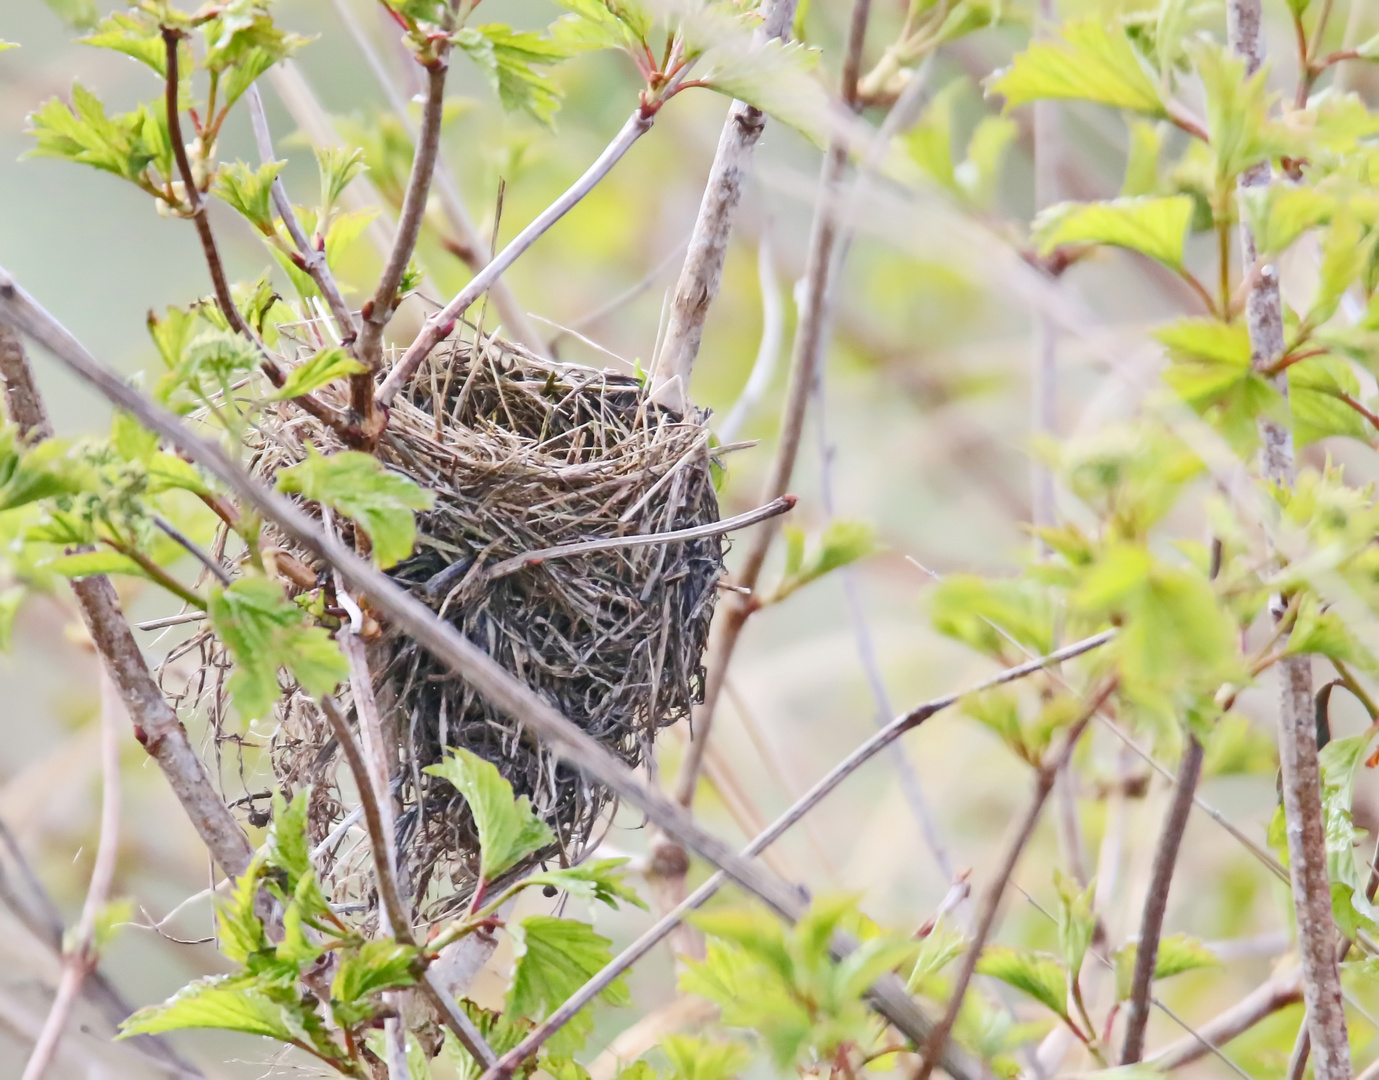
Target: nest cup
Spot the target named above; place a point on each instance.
(522, 455)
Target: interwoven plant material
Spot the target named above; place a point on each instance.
(523, 456)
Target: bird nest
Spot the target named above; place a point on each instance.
(522, 456)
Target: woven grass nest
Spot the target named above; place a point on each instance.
(522, 455)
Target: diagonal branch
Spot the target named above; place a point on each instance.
(378, 311)
(442, 322)
(1156, 902)
(155, 724)
(461, 656)
(990, 904)
(702, 273)
(792, 816)
(79, 958)
(312, 261)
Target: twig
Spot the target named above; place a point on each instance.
(1306, 827)
(1261, 1003)
(768, 349)
(379, 310)
(155, 724)
(312, 260)
(192, 548)
(990, 904)
(443, 641)
(1156, 902)
(79, 959)
(467, 244)
(772, 509)
(702, 274)
(379, 834)
(441, 323)
(792, 816)
(804, 364)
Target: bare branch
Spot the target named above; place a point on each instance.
(702, 273)
(155, 724)
(443, 641)
(466, 243)
(1156, 902)
(807, 802)
(313, 261)
(1302, 806)
(1278, 993)
(79, 959)
(779, 506)
(441, 323)
(379, 310)
(1020, 832)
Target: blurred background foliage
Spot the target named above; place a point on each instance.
(927, 431)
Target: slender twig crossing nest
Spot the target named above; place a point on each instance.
(522, 455)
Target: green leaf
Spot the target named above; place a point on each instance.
(936, 951)
(1241, 133)
(326, 366)
(1317, 391)
(1092, 60)
(85, 134)
(555, 957)
(264, 631)
(1152, 226)
(773, 76)
(1177, 953)
(78, 14)
(10, 601)
(374, 967)
(212, 362)
(842, 543)
(360, 486)
(604, 24)
(30, 474)
(1142, 160)
(1346, 251)
(237, 921)
(980, 173)
(508, 828)
(1281, 212)
(338, 166)
(601, 879)
(1322, 631)
(702, 1059)
(250, 191)
(1076, 921)
(980, 612)
(1041, 977)
(510, 60)
(227, 1002)
(84, 564)
(137, 35)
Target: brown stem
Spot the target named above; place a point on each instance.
(1261, 1003)
(1156, 902)
(452, 649)
(378, 311)
(155, 724)
(990, 903)
(1306, 828)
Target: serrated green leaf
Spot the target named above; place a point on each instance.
(600, 879)
(1281, 212)
(603, 24)
(1318, 389)
(1092, 60)
(511, 61)
(85, 134)
(360, 486)
(1177, 953)
(367, 971)
(78, 14)
(980, 612)
(227, 1002)
(249, 190)
(1142, 160)
(84, 564)
(1322, 632)
(326, 366)
(1041, 977)
(842, 543)
(237, 921)
(508, 828)
(555, 957)
(137, 35)
(264, 631)
(1076, 921)
(1154, 227)
(702, 1059)
(773, 76)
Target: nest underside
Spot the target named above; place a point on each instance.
(522, 455)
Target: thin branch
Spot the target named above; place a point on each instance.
(312, 260)
(1156, 902)
(192, 548)
(379, 310)
(1302, 807)
(990, 904)
(79, 959)
(442, 322)
(792, 816)
(466, 243)
(804, 365)
(155, 724)
(702, 274)
(461, 656)
(772, 509)
(1261, 1003)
